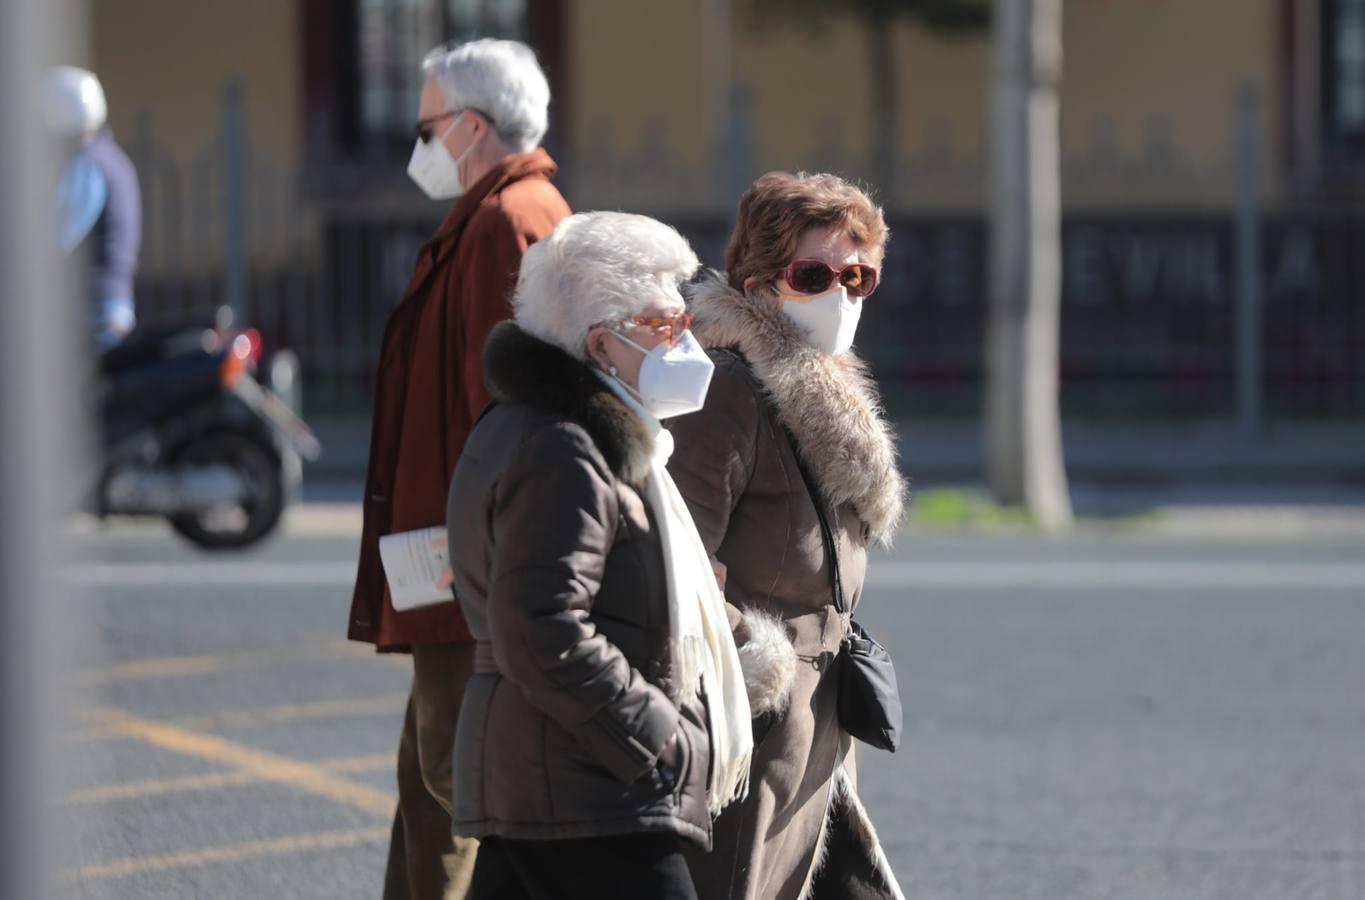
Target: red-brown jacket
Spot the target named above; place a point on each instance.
(430, 390)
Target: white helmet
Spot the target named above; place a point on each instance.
(74, 103)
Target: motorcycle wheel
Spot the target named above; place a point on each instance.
(237, 525)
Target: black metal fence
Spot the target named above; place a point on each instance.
(1148, 322)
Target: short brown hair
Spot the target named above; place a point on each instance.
(780, 207)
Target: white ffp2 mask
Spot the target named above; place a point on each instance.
(829, 320)
(434, 170)
(673, 380)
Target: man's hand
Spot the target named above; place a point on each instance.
(441, 541)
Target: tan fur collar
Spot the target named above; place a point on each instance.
(829, 403)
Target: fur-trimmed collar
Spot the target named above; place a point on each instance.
(829, 403)
(520, 368)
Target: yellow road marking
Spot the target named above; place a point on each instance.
(213, 781)
(293, 712)
(154, 787)
(173, 666)
(379, 704)
(266, 766)
(327, 840)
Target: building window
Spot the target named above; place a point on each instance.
(391, 37)
(363, 75)
(1343, 82)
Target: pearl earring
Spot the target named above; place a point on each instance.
(611, 370)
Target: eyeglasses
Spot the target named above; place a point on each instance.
(814, 276)
(670, 328)
(425, 132)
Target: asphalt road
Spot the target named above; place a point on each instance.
(1102, 717)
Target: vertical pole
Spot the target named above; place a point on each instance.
(717, 70)
(39, 319)
(1248, 262)
(234, 185)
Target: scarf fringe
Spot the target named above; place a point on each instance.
(732, 785)
(687, 655)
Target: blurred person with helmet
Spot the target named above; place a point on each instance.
(99, 203)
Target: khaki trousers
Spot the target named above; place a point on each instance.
(425, 861)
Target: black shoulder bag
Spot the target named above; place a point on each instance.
(869, 699)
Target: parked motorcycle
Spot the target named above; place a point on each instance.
(190, 434)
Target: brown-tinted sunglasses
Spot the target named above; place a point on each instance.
(814, 276)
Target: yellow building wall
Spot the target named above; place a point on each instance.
(1148, 104)
(165, 62)
(641, 117)
(1172, 68)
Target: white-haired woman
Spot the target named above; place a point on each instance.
(606, 721)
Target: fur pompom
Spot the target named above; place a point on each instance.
(768, 660)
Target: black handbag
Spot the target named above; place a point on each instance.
(869, 698)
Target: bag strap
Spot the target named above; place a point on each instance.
(817, 497)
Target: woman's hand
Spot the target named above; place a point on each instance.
(719, 568)
(670, 762)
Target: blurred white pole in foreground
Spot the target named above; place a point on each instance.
(36, 380)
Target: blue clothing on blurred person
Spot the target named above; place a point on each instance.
(100, 214)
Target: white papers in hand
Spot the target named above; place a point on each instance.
(417, 566)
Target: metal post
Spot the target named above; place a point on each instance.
(717, 78)
(234, 198)
(740, 146)
(1248, 261)
(38, 369)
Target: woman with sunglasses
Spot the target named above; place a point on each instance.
(607, 721)
(790, 400)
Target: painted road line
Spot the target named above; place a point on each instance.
(382, 704)
(1188, 575)
(215, 781)
(1251, 575)
(177, 666)
(302, 843)
(154, 787)
(310, 519)
(216, 574)
(307, 777)
(347, 707)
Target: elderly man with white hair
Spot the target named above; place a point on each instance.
(607, 720)
(483, 112)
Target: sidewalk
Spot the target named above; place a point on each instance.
(1195, 482)
(938, 453)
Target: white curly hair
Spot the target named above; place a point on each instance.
(500, 79)
(598, 268)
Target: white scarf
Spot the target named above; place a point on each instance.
(701, 645)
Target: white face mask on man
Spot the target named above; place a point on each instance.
(829, 320)
(434, 170)
(673, 380)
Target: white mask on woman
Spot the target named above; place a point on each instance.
(673, 380)
(433, 168)
(829, 320)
